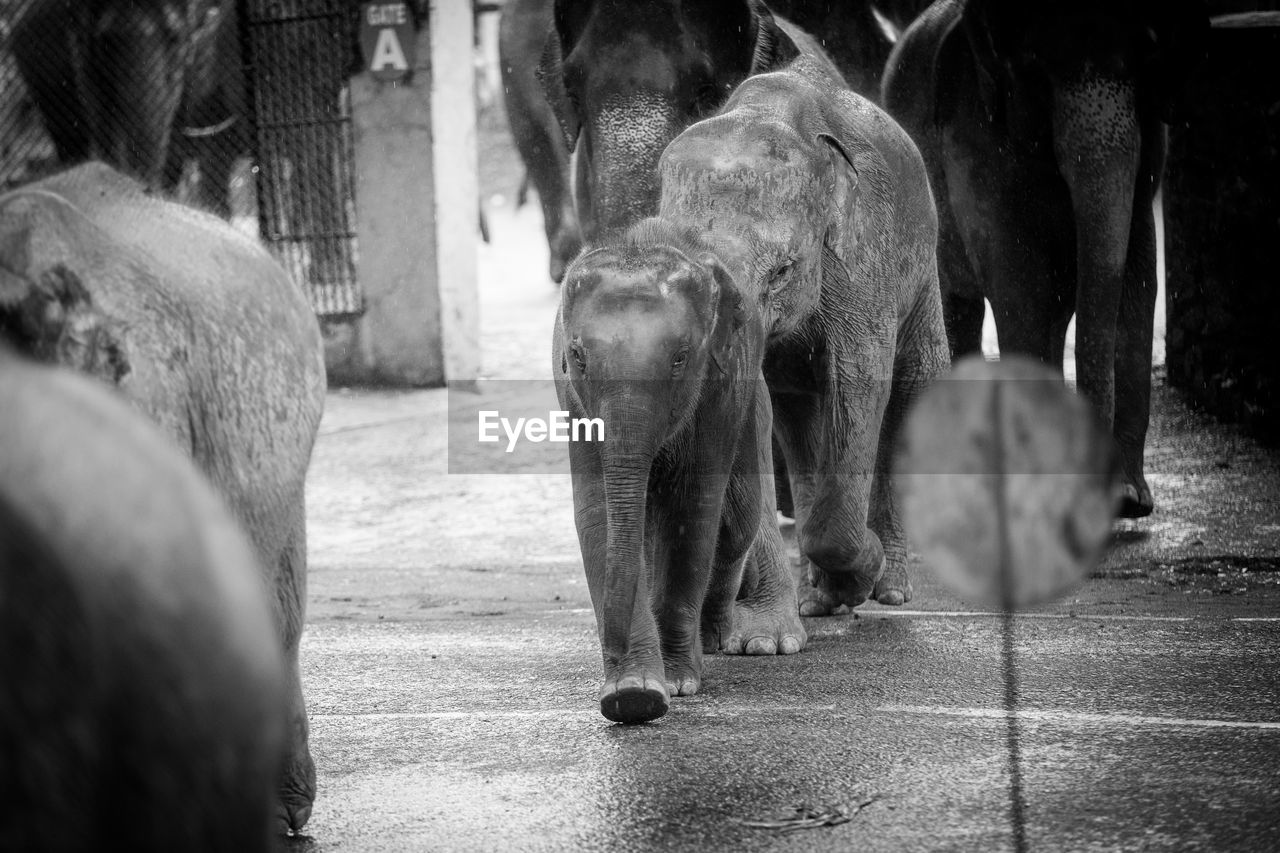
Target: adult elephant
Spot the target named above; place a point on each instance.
(624, 79)
(1043, 130)
(145, 85)
(522, 34)
(206, 334)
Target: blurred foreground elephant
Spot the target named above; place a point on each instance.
(208, 336)
(1042, 125)
(818, 205)
(144, 85)
(143, 699)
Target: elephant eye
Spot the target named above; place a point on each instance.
(779, 276)
(579, 357)
(679, 359)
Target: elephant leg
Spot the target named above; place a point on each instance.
(922, 358)
(781, 482)
(685, 537)
(962, 304)
(1024, 296)
(796, 436)
(1058, 326)
(831, 482)
(964, 316)
(1133, 361)
(766, 616)
(297, 789)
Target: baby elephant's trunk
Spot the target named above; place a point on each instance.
(631, 441)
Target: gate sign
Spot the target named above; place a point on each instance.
(387, 39)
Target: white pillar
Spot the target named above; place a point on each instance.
(457, 202)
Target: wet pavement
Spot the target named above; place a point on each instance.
(451, 666)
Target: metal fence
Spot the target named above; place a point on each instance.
(300, 54)
(248, 117)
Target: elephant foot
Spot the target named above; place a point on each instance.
(683, 684)
(894, 587)
(1135, 498)
(765, 630)
(296, 794)
(634, 698)
(824, 592)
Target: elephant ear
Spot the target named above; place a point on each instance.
(839, 239)
(731, 314)
(569, 20)
(550, 74)
(774, 49)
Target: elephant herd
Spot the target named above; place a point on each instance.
(710, 180)
(756, 260)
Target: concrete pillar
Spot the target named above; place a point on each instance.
(457, 202)
(416, 201)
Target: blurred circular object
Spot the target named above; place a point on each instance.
(1007, 482)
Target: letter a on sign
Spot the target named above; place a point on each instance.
(387, 53)
(387, 39)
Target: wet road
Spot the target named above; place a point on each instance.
(451, 665)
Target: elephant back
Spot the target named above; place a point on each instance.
(193, 321)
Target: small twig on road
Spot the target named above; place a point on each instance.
(807, 817)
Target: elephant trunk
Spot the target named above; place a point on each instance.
(631, 442)
(626, 141)
(132, 91)
(1097, 141)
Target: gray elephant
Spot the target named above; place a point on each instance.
(144, 697)
(204, 333)
(144, 86)
(1045, 143)
(624, 78)
(819, 206)
(678, 536)
(522, 35)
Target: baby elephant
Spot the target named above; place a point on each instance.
(143, 698)
(819, 207)
(654, 339)
(205, 334)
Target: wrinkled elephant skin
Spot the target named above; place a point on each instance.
(819, 205)
(624, 79)
(1045, 143)
(144, 688)
(674, 507)
(206, 334)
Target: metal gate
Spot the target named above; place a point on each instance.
(299, 54)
